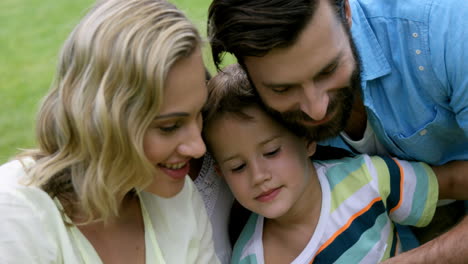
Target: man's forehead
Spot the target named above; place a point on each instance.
(315, 48)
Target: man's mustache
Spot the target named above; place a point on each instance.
(299, 116)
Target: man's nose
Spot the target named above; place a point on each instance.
(314, 101)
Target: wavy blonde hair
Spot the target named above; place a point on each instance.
(108, 89)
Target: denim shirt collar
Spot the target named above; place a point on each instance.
(373, 61)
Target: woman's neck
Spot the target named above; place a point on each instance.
(129, 209)
(111, 239)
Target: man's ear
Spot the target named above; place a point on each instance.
(311, 147)
(347, 11)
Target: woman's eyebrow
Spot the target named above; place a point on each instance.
(172, 115)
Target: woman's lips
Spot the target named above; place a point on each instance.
(176, 172)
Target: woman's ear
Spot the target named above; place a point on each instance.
(311, 147)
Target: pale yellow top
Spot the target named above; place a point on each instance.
(33, 230)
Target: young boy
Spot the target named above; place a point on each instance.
(335, 211)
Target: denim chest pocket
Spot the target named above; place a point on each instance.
(435, 139)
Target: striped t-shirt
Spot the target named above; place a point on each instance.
(360, 204)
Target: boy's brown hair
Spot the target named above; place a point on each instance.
(229, 92)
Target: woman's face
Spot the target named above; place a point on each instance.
(174, 137)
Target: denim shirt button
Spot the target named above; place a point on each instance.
(421, 68)
(415, 35)
(423, 132)
(418, 51)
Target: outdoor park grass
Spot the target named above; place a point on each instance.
(31, 35)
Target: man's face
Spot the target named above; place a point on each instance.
(311, 85)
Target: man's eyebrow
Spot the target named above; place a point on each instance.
(334, 61)
(172, 115)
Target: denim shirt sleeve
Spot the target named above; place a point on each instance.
(448, 35)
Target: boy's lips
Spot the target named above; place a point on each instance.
(269, 195)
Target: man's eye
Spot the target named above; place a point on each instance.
(272, 153)
(330, 69)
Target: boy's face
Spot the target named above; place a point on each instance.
(267, 168)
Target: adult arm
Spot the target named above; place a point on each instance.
(453, 180)
(23, 239)
(449, 248)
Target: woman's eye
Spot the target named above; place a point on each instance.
(168, 129)
(272, 153)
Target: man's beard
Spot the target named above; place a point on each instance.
(340, 106)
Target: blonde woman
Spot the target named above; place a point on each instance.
(115, 134)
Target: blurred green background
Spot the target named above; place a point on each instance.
(31, 34)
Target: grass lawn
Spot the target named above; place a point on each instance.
(31, 35)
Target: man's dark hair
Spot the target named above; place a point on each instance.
(254, 27)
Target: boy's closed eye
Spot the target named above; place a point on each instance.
(238, 168)
(269, 154)
(273, 152)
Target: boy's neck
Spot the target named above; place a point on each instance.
(294, 230)
(305, 209)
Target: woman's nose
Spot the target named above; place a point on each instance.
(193, 145)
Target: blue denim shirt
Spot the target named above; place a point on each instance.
(414, 56)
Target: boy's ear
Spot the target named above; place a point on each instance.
(311, 147)
(218, 170)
